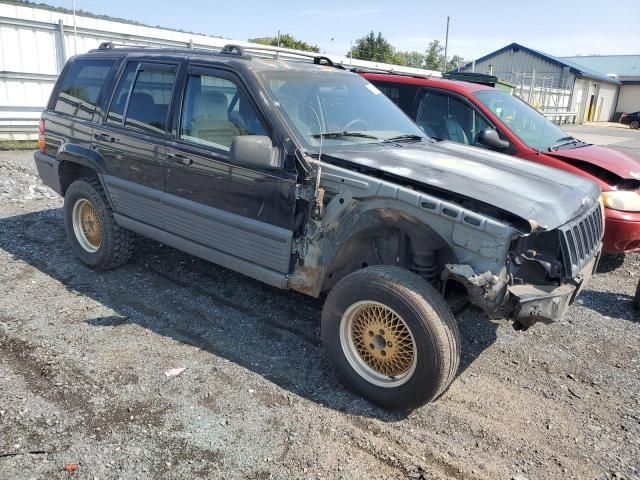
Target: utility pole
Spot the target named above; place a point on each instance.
(446, 45)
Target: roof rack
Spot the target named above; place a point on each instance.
(387, 71)
(245, 52)
(110, 46)
(285, 54)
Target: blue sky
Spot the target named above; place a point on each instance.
(558, 27)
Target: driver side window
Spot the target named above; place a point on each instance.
(447, 117)
(215, 111)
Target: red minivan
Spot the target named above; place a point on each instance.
(482, 116)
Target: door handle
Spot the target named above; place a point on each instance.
(105, 137)
(181, 159)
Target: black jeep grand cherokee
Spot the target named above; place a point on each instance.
(305, 176)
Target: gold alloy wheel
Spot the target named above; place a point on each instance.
(378, 343)
(87, 225)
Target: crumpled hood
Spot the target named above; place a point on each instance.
(615, 161)
(544, 197)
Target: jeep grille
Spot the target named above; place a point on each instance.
(581, 240)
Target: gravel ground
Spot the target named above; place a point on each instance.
(83, 357)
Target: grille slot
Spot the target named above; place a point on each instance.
(581, 240)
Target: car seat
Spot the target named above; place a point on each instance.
(210, 121)
(454, 131)
(143, 109)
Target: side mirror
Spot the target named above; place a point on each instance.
(490, 138)
(254, 151)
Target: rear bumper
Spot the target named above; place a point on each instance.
(547, 303)
(48, 171)
(622, 232)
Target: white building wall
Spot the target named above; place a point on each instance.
(607, 96)
(629, 99)
(36, 42)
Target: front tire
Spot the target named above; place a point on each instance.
(391, 336)
(636, 301)
(634, 125)
(95, 237)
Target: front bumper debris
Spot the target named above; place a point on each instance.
(525, 304)
(547, 303)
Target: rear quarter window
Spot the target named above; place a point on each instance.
(81, 86)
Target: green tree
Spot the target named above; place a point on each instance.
(412, 59)
(286, 41)
(455, 62)
(375, 48)
(434, 57)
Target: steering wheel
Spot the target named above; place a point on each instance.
(355, 122)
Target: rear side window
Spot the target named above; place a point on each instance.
(81, 86)
(119, 101)
(147, 101)
(403, 95)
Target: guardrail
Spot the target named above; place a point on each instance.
(561, 117)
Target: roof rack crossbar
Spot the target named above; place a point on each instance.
(286, 54)
(110, 45)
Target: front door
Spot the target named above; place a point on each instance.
(244, 214)
(132, 140)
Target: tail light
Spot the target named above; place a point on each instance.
(41, 143)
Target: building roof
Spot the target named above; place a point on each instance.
(577, 69)
(620, 65)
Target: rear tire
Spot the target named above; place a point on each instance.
(391, 336)
(636, 301)
(95, 237)
(634, 125)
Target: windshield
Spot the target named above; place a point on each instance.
(524, 121)
(343, 109)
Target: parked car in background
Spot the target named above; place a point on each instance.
(305, 177)
(484, 117)
(631, 119)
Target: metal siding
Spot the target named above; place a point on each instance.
(629, 99)
(606, 102)
(507, 64)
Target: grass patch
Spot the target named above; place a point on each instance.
(18, 144)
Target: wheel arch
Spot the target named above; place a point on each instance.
(77, 161)
(365, 237)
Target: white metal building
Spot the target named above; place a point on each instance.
(36, 41)
(552, 84)
(625, 68)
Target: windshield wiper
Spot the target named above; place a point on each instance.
(334, 135)
(561, 142)
(408, 137)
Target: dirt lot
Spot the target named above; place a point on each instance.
(83, 357)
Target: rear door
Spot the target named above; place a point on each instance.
(244, 213)
(133, 137)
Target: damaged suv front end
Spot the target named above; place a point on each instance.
(521, 238)
(544, 272)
